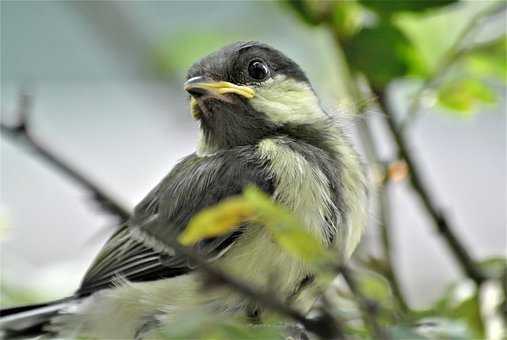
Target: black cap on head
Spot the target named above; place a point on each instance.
(241, 63)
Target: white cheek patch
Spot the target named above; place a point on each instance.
(286, 100)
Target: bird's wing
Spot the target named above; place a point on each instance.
(137, 252)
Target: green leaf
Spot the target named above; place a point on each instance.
(462, 95)
(494, 267)
(389, 7)
(433, 34)
(375, 287)
(382, 53)
(347, 18)
(217, 220)
(257, 207)
(469, 311)
(304, 10)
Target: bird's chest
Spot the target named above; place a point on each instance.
(301, 186)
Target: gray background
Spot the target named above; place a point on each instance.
(100, 105)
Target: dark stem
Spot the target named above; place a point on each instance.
(442, 224)
(20, 133)
(385, 233)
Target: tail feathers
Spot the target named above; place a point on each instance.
(27, 321)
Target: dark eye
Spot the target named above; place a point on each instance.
(258, 70)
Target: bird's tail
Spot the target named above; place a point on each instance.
(30, 320)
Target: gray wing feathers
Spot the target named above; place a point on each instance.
(135, 251)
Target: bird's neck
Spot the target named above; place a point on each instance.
(319, 133)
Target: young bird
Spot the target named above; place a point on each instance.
(261, 123)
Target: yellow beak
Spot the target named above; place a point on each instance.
(199, 86)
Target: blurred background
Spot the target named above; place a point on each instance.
(105, 86)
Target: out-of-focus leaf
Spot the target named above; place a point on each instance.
(383, 53)
(494, 267)
(433, 34)
(469, 311)
(389, 7)
(375, 287)
(489, 60)
(285, 228)
(347, 17)
(179, 52)
(462, 95)
(305, 10)
(217, 220)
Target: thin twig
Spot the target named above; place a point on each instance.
(369, 309)
(385, 231)
(441, 222)
(455, 52)
(20, 133)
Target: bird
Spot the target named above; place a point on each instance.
(260, 123)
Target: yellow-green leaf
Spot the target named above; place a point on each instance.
(489, 60)
(287, 231)
(217, 220)
(462, 95)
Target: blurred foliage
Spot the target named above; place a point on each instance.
(366, 49)
(387, 8)
(390, 40)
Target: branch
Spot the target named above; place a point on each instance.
(441, 222)
(325, 326)
(20, 133)
(385, 230)
(455, 52)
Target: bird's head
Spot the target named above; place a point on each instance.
(248, 91)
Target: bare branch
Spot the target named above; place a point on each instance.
(20, 133)
(385, 230)
(441, 222)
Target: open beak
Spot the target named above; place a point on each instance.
(200, 86)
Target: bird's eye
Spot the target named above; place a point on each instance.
(258, 70)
